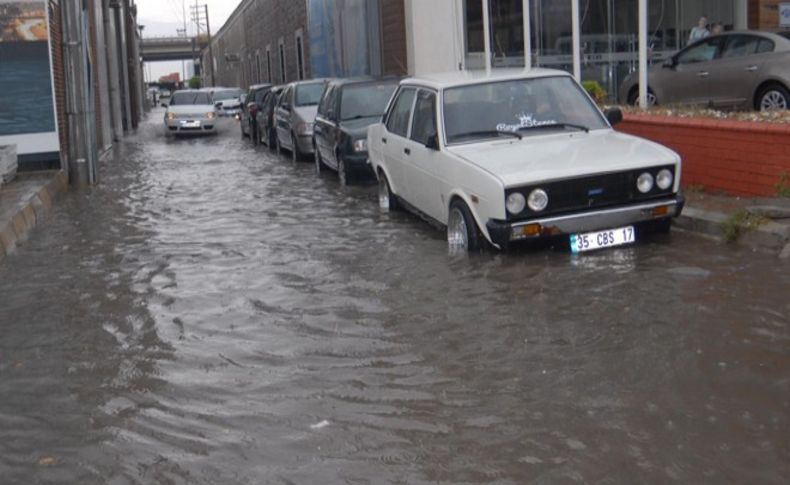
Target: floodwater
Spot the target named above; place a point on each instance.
(213, 314)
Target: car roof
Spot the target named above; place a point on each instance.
(309, 81)
(461, 78)
(256, 87)
(364, 80)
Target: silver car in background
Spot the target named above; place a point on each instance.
(745, 70)
(227, 101)
(190, 112)
(295, 115)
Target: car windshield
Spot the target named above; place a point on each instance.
(229, 94)
(190, 98)
(309, 94)
(365, 100)
(491, 109)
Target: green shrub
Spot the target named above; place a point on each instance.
(595, 91)
(782, 187)
(194, 83)
(739, 222)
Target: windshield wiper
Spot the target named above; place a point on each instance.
(488, 133)
(556, 125)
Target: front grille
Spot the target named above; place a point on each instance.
(589, 192)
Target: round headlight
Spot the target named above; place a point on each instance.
(538, 200)
(664, 179)
(516, 203)
(645, 183)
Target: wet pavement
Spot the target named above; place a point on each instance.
(213, 314)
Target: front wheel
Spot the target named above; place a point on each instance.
(774, 98)
(462, 231)
(295, 155)
(342, 175)
(318, 163)
(387, 200)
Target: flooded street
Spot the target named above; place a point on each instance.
(213, 314)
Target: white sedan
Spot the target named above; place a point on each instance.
(190, 112)
(510, 156)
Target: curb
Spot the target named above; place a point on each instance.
(771, 236)
(29, 213)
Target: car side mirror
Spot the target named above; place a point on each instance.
(613, 115)
(433, 142)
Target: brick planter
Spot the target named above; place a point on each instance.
(735, 157)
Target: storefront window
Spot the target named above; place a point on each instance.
(609, 33)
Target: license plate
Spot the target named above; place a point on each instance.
(602, 239)
(190, 124)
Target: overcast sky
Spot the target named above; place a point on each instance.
(163, 17)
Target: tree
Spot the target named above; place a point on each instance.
(194, 83)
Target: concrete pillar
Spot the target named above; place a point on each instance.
(527, 35)
(741, 14)
(643, 54)
(486, 35)
(103, 81)
(123, 60)
(113, 68)
(575, 28)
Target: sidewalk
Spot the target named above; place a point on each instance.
(23, 204)
(757, 223)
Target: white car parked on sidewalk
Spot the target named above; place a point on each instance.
(190, 111)
(511, 156)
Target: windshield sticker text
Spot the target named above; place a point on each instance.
(524, 121)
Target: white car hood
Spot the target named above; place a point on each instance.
(191, 109)
(538, 158)
(307, 113)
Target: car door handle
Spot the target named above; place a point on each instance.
(384, 140)
(407, 151)
(703, 74)
(751, 68)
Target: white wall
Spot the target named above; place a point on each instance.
(435, 26)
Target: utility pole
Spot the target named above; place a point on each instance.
(200, 15)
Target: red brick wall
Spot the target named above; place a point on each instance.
(56, 41)
(735, 157)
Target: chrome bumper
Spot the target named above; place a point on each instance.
(502, 233)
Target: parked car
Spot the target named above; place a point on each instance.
(347, 108)
(227, 101)
(510, 156)
(265, 117)
(748, 70)
(295, 115)
(249, 110)
(190, 112)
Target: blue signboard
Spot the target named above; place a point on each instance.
(27, 113)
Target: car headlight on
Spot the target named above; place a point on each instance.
(515, 203)
(664, 179)
(170, 116)
(645, 183)
(538, 200)
(304, 129)
(361, 146)
(211, 115)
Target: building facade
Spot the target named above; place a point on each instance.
(279, 41)
(608, 32)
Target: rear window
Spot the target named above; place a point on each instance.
(190, 98)
(309, 94)
(229, 94)
(365, 100)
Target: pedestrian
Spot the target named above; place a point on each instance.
(700, 31)
(717, 28)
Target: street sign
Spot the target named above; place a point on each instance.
(784, 14)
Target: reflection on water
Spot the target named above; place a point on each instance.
(211, 314)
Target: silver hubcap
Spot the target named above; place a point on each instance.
(773, 100)
(384, 194)
(651, 100)
(456, 230)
